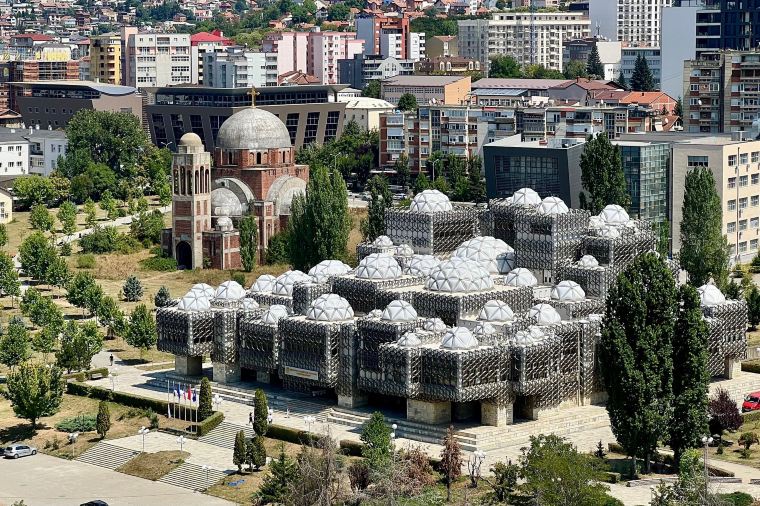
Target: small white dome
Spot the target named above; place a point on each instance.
(595, 222)
(375, 313)
(552, 206)
(326, 268)
(533, 335)
(493, 254)
(608, 232)
(430, 201)
(568, 291)
(434, 325)
(274, 314)
(496, 311)
(422, 265)
(399, 311)
(382, 241)
(224, 224)
(409, 340)
(520, 277)
(264, 284)
(459, 338)
(483, 329)
(330, 307)
(249, 304)
(284, 283)
(404, 250)
(526, 197)
(710, 295)
(588, 261)
(230, 290)
(194, 300)
(459, 275)
(544, 314)
(378, 266)
(205, 289)
(614, 215)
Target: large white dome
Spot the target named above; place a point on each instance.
(399, 311)
(496, 311)
(493, 254)
(284, 283)
(378, 266)
(255, 129)
(326, 268)
(330, 308)
(710, 295)
(422, 265)
(614, 215)
(194, 300)
(544, 314)
(459, 338)
(382, 241)
(568, 291)
(459, 275)
(430, 201)
(249, 304)
(204, 289)
(230, 290)
(520, 277)
(264, 284)
(274, 314)
(588, 261)
(552, 206)
(225, 203)
(608, 232)
(526, 197)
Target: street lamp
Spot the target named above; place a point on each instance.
(335, 161)
(270, 416)
(434, 162)
(181, 442)
(393, 434)
(205, 470)
(143, 431)
(308, 419)
(707, 441)
(476, 460)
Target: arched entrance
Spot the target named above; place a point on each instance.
(184, 256)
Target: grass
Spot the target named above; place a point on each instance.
(753, 337)
(152, 466)
(733, 453)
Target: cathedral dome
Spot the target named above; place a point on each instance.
(190, 139)
(253, 128)
(224, 202)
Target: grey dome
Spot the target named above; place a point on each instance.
(264, 283)
(190, 139)
(496, 311)
(399, 311)
(284, 283)
(459, 338)
(255, 129)
(422, 265)
(434, 325)
(409, 340)
(224, 202)
(378, 266)
(194, 300)
(326, 268)
(710, 295)
(229, 290)
(274, 314)
(568, 291)
(520, 277)
(493, 254)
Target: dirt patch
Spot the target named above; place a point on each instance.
(152, 466)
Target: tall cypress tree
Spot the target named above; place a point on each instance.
(594, 64)
(248, 242)
(636, 355)
(704, 249)
(380, 200)
(642, 79)
(690, 376)
(602, 174)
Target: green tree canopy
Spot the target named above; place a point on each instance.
(103, 422)
(40, 218)
(574, 69)
(260, 412)
(407, 102)
(282, 474)
(141, 332)
(372, 89)
(249, 241)
(594, 65)
(642, 79)
(67, 215)
(14, 344)
(380, 199)
(34, 390)
(377, 445)
(602, 174)
(36, 253)
(504, 66)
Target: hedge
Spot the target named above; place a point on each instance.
(86, 375)
(352, 448)
(611, 477)
(751, 366)
(290, 435)
(209, 424)
(751, 416)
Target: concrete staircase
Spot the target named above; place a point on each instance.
(192, 476)
(107, 455)
(224, 435)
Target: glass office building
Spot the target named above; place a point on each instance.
(646, 166)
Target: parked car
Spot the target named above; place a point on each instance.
(19, 450)
(751, 402)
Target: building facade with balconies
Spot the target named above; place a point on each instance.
(159, 59)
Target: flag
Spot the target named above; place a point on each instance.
(194, 396)
(188, 392)
(168, 411)
(176, 390)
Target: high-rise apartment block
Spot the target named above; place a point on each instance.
(105, 58)
(390, 36)
(325, 49)
(633, 22)
(728, 24)
(235, 67)
(291, 49)
(158, 59)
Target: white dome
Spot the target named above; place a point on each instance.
(249, 304)
(383, 241)
(422, 265)
(264, 283)
(404, 250)
(399, 311)
(253, 129)
(375, 313)
(230, 290)
(408, 340)
(430, 201)
(284, 283)
(459, 338)
(378, 266)
(224, 223)
(588, 261)
(595, 222)
(568, 291)
(496, 311)
(330, 308)
(483, 329)
(493, 254)
(459, 275)
(274, 314)
(434, 325)
(526, 197)
(614, 215)
(204, 289)
(225, 203)
(552, 205)
(710, 295)
(544, 314)
(608, 232)
(520, 277)
(529, 337)
(194, 300)
(326, 268)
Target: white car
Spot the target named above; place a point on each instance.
(19, 450)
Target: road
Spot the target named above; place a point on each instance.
(43, 480)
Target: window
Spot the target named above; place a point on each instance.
(697, 161)
(755, 156)
(743, 247)
(755, 200)
(743, 158)
(742, 225)
(743, 180)
(732, 205)
(755, 178)
(732, 160)
(753, 245)
(731, 227)
(754, 223)
(743, 203)
(732, 182)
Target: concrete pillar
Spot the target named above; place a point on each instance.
(464, 410)
(263, 377)
(733, 368)
(352, 401)
(496, 414)
(432, 412)
(226, 373)
(188, 366)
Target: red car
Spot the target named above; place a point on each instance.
(751, 402)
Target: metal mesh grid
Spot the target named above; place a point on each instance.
(432, 233)
(727, 323)
(225, 336)
(362, 293)
(259, 344)
(461, 376)
(188, 334)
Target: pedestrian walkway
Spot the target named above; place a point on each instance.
(201, 453)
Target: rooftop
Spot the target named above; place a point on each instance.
(423, 80)
(105, 88)
(529, 84)
(367, 103)
(515, 142)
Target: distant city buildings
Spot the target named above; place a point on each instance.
(427, 89)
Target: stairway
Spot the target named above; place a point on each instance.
(224, 435)
(107, 455)
(192, 476)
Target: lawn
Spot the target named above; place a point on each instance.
(733, 453)
(152, 466)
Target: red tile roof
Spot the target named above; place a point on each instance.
(199, 37)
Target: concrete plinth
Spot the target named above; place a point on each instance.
(462, 411)
(226, 373)
(188, 366)
(733, 368)
(496, 415)
(263, 377)
(428, 412)
(352, 401)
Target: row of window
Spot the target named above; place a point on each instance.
(743, 180)
(754, 202)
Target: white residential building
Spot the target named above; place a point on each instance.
(45, 148)
(14, 153)
(636, 22)
(237, 68)
(509, 33)
(324, 51)
(679, 43)
(159, 59)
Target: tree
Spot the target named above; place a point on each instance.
(724, 413)
(476, 184)
(319, 222)
(132, 289)
(162, 298)
(690, 375)
(372, 89)
(79, 343)
(504, 66)
(141, 332)
(642, 79)
(147, 226)
(276, 484)
(3, 235)
(9, 283)
(90, 213)
(204, 400)
(103, 421)
(41, 219)
(704, 249)
(451, 461)
(407, 102)
(380, 199)
(34, 390)
(732, 290)
(32, 190)
(67, 215)
(663, 238)
(636, 354)
(621, 81)
(80, 289)
(260, 412)
(504, 480)
(256, 454)
(108, 205)
(57, 273)
(602, 174)
(338, 12)
(442, 185)
(594, 65)
(36, 254)
(14, 344)
(678, 109)
(422, 183)
(575, 69)
(239, 451)
(318, 481)
(249, 242)
(109, 315)
(753, 306)
(402, 170)
(377, 447)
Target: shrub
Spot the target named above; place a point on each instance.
(132, 289)
(277, 252)
(747, 439)
(65, 249)
(737, 499)
(751, 366)
(80, 423)
(159, 263)
(358, 475)
(86, 261)
(127, 245)
(100, 240)
(162, 297)
(153, 419)
(724, 414)
(239, 278)
(210, 423)
(148, 227)
(103, 420)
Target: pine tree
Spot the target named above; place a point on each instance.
(282, 473)
(377, 447)
(602, 174)
(753, 306)
(380, 199)
(690, 375)
(422, 183)
(451, 461)
(34, 390)
(249, 242)
(162, 298)
(636, 354)
(260, 412)
(204, 400)
(132, 289)
(103, 422)
(642, 79)
(678, 109)
(239, 452)
(256, 453)
(704, 249)
(594, 65)
(621, 81)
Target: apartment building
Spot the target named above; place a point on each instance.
(159, 59)
(728, 25)
(105, 58)
(361, 69)
(451, 90)
(46, 146)
(651, 54)
(610, 54)
(509, 33)
(389, 36)
(201, 44)
(441, 46)
(634, 22)
(14, 153)
(291, 49)
(325, 49)
(236, 67)
(646, 165)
